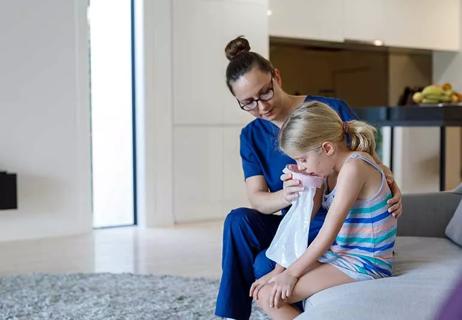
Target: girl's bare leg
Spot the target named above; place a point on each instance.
(321, 277)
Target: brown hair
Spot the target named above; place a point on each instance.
(242, 60)
(314, 122)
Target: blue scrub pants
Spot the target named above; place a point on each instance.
(246, 236)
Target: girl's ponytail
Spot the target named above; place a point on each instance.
(362, 136)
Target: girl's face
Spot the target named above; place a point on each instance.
(265, 89)
(317, 162)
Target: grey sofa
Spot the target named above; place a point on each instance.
(427, 266)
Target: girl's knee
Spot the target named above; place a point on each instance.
(263, 297)
(263, 301)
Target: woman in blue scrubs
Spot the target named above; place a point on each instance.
(248, 232)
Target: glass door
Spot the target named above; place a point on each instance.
(112, 101)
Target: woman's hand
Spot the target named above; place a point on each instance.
(291, 188)
(261, 282)
(395, 206)
(283, 285)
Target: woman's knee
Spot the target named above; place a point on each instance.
(262, 265)
(237, 218)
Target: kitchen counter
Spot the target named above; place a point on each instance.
(441, 116)
(412, 116)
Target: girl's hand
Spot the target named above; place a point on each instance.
(261, 282)
(291, 188)
(283, 285)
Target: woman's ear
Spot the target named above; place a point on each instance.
(328, 148)
(277, 76)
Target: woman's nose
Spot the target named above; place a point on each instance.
(263, 105)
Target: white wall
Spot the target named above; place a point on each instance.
(44, 122)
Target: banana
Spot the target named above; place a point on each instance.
(430, 101)
(432, 90)
(441, 98)
(417, 97)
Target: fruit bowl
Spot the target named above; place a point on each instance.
(437, 94)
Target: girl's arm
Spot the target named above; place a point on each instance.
(349, 184)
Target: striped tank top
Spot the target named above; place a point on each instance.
(364, 245)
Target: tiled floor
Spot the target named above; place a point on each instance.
(188, 250)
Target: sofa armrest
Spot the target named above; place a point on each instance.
(427, 214)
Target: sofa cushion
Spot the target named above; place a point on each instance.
(425, 270)
(454, 228)
(458, 189)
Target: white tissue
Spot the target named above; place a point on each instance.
(291, 239)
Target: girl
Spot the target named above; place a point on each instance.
(357, 238)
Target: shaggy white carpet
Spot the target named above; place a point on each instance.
(107, 296)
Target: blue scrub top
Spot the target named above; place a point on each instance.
(259, 149)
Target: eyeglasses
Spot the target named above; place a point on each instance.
(251, 104)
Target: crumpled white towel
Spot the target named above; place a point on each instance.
(291, 239)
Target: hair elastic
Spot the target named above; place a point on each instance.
(345, 127)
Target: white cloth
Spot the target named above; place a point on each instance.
(291, 239)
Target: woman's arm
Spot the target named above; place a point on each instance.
(349, 184)
(265, 201)
(261, 199)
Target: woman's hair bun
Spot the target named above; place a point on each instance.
(236, 46)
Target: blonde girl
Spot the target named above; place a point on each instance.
(357, 238)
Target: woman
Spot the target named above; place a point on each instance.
(256, 85)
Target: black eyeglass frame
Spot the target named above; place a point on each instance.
(255, 101)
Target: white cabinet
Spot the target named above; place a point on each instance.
(234, 191)
(201, 30)
(364, 20)
(306, 19)
(419, 24)
(425, 24)
(198, 173)
(208, 180)
(206, 122)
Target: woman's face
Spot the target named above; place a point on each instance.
(257, 85)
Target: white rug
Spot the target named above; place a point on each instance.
(107, 296)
